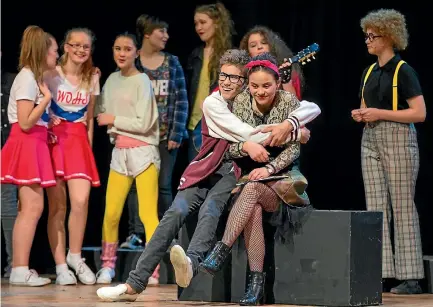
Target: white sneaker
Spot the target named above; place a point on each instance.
(182, 266)
(105, 276)
(84, 273)
(29, 279)
(116, 294)
(152, 281)
(66, 278)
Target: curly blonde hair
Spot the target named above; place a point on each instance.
(388, 23)
(224, 31)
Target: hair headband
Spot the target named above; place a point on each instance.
(264, 63)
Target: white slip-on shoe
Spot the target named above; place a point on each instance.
(116, 294)
(29, 279)
(182, 266)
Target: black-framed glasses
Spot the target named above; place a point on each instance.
(78, 46)
(370, 36)
(233, 78)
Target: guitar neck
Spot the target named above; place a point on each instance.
(305, 54)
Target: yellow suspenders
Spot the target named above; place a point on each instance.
(394, 85)
(365, 81)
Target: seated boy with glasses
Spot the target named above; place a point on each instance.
(208, 181)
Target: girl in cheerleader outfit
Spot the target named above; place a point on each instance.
(74, 86)
(26, 160)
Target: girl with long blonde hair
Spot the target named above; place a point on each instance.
(26, 160)
(214, 26)
(74, 86)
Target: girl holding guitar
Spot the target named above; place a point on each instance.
(261, 39)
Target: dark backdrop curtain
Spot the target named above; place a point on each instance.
(331, 160)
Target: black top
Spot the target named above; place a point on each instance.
(6, 82)
(378, 89)
(193, 70)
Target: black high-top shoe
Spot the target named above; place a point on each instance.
(256, 290)
(215, 260)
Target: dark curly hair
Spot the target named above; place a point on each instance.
(277, 47)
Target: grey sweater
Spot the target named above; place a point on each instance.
(132, 102)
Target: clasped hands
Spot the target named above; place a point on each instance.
(280, 133)
(366, 115)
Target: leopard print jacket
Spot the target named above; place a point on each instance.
(284, 104)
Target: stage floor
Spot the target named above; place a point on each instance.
(161, 296)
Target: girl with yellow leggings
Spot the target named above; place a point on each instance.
(128, 108)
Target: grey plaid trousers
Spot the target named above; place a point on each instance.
(390, 163)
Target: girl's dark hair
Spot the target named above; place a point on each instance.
(145, 24)
(278, 48)
(131, 37)
(262, 57)
(134, 40)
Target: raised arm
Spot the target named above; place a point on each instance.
(306, 113)
(223, 124)
(291, 128)
(29, 110)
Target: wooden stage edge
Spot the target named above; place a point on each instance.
(161, 296)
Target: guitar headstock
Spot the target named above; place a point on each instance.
(305, 55)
